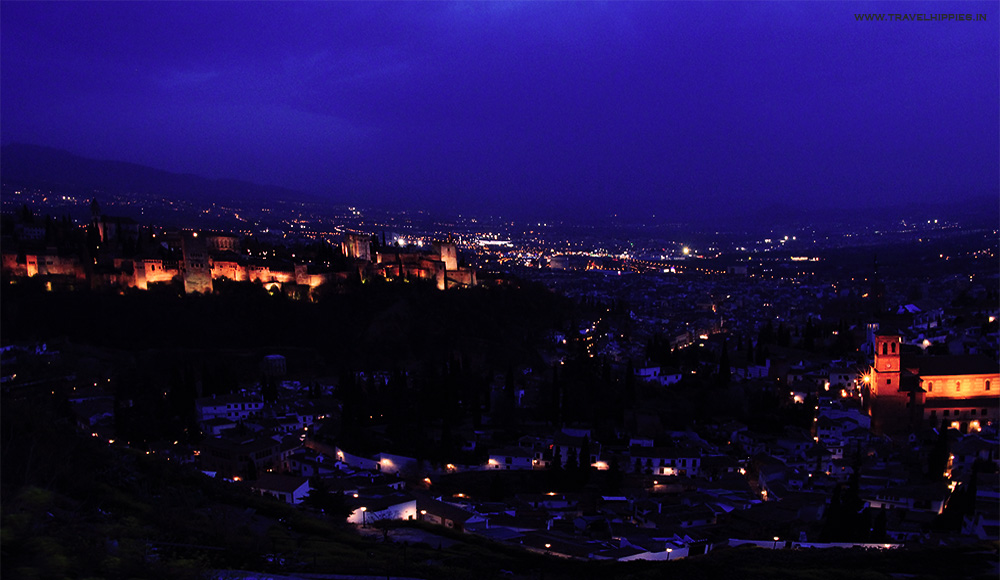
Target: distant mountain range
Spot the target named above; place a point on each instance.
(37, 166)
(40, 167)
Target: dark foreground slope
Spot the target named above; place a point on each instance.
(129, 515)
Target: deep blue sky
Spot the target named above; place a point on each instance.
(589, 108)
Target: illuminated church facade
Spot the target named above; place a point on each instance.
(907, 393)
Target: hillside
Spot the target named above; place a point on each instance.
(38, 167)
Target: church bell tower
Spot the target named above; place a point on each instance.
(888, 404)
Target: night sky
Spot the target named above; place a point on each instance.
(551, 108)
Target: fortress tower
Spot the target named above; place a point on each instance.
(449, 255)
(196, 269)
(357, 247)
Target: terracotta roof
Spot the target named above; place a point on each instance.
(279, 482)
(970, 364)
(664, 452)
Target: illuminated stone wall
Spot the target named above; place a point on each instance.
(197, 269)
(960, 386)
(228, 269)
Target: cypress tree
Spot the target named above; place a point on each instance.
(725, 369)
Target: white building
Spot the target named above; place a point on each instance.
(369, 510)
(287, 488)
(510, 458)
(234, 407)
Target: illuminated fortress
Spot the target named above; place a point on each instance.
(197, 259)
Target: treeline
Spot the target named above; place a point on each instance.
(377, 326)
(442, 349)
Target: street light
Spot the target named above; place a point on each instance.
(775, 547)
(364, 522)
(668, 553)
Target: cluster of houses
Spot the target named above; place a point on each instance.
(676, 500)
(620, 527)
(961, 329)
(682, 493)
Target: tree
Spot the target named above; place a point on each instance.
(581, 474)
(879, 527)
(725, 370)
(809, 336)
(766, 334)
(834, 513)
(937, 458)
(572, 461)
(382, 522)
(182, 394)
(269, 390)
(327, 501)
(784, 335)
(556, 472)
(847, 519)
(629, 394)
(613, 481)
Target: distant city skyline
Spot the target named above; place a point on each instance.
(532, 109)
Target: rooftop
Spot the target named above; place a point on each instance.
(968, 364)
(279, 482)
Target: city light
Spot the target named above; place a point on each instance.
(634, 307)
